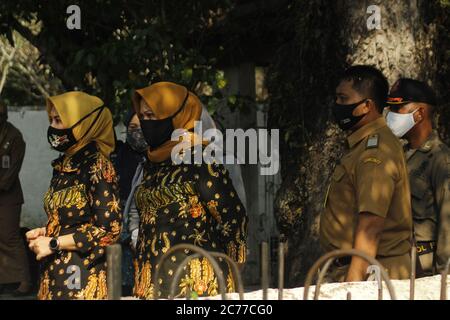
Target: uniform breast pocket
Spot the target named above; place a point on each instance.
(337, 176)
(338, 173)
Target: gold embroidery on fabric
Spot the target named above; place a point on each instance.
(53, 226)
(152, 247)
(114, 205)
(66, 198)
(95, 289)
(242, 255)
(143, 287)
(172, 177)
(212, 207)
(212, 172)
(198, 237)
(67, 259)
(166, 242)
(150, 200)
(103, 168)
(44, 291)
(201, 279)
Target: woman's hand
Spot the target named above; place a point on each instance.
(41, 247)
(35, 233)
(134, 238)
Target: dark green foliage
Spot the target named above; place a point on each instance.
(122, 44)
(302, 77)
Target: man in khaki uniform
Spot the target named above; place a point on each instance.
(411, 105)
(13, 260)
(368, 201)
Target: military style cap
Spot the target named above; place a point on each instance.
(408, 90)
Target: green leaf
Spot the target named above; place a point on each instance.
(194, 295)
(232, 99)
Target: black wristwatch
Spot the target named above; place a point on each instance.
(54, 244)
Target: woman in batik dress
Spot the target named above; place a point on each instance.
(180, 202)
(82, 202)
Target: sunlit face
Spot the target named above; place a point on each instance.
(145, 112)
(55, 120)
(345, 94)
(134, 122)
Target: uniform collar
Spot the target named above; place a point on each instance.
(365, 131)
(427, 146)
(72, 164)
(429, 143)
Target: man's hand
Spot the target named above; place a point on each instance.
(35, 233)
(367, 236)
(41, 247)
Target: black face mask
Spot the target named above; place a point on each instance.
(63, 139)
(156, 132)
(136, 140)
(343, 114)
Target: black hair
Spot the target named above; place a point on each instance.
(128, 117)
(368, 81)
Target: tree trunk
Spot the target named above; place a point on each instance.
(406, 45)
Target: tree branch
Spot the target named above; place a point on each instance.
(55, 65)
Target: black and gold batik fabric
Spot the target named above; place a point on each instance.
(82, 200)
(187, 203)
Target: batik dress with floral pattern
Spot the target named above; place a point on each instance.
(187, 203)
(82, 200)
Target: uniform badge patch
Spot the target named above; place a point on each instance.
(372, 160)
(6, 162)
(372, 141)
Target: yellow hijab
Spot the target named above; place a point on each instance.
(165, 98)
(72, 107)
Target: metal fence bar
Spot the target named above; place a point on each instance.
(114, 271)
(235, 270)
(281, 246)
(342, 253)
(444, 280)
(322, 274)
(264, 268)
(412, 278)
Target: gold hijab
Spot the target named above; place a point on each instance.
(75, 105)
(165, 99)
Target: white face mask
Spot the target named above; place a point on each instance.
(399, 123)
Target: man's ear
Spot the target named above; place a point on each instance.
(419, 115)
(370, 105)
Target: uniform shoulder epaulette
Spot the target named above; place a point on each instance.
(372, 141)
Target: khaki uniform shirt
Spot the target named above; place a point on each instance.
(12, 152)
(371, 177)
(429, 176)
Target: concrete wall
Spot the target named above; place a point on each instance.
(260, 190)
(36, 169)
